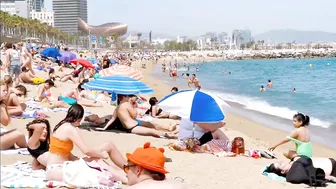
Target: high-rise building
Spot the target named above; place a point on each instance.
(44, 16)
(223, 38)
(67, 12)
(15, 7)
(36, 5)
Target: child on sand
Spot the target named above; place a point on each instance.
(300, 136)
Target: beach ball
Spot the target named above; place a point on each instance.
(310, 65)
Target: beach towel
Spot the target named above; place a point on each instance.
(20, 175)
(272, 176)
(22, 151)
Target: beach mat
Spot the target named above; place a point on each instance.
(22, 151)
(21, 175)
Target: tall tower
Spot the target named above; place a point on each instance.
(67, 13)
(36, 5)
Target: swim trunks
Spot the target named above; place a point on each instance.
(139, 122)
(333, 165)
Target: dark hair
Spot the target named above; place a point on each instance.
(52, 70)
(50, 82)
(75, 113)
(174, 89)
(303, 118)
(269, 80)
(187, 74)
(262, 86)
(36, 121)
(157, 176)
(9, 45)
(79, 87)
(24, 69)
(22, 89)
(194, 75)
(152, 101)
(272, 169)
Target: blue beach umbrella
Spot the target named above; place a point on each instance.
(119, 85)
(198, 106)
(51, 52)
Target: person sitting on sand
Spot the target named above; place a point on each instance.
(128, 118)
(328, 165)
(62, 140)
(43, 91)
(75, 94)
(13, 103)
(11, 138)
(38, 142)
(157, 112)
(145, 169)
(26, 76)
(300, 136)
(204, 132)
(52, 75)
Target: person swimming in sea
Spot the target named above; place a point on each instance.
(300, 136)
(262, 88)
(197, 70)
(270, 84)
(294, 90)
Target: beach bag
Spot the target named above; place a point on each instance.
(80, 174)
(302, 171)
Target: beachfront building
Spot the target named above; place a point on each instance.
(241, 37)
(67, 12)
(36, 5)
(16, 7)
(201, 43)
(181, 39)
(44, 16)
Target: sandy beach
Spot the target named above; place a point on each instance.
(195, 170)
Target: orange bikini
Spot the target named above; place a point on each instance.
(60, 147)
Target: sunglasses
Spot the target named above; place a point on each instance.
(127, 167)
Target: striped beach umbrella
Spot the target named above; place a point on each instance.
(123, 70)
(118, 85)
(196, 105)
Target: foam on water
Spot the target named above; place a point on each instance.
(257, 104)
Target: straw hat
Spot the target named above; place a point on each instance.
(148, 157)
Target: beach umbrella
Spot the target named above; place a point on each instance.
(67, 56)
(85, 63)
(93, 60)
(196, 105)
(51, 52)
(123, 70)
(119, 85)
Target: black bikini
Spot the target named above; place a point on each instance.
(43, 148)
(150, 111)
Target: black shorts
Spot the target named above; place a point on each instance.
(207, 137)
(333, 164)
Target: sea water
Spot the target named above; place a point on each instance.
(240, 82)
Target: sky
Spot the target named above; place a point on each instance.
(196, 17)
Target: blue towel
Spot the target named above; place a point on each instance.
(272, 176)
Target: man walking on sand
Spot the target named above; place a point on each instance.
(145, 169)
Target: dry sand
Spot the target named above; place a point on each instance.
(197, 170)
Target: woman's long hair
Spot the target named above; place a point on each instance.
(75, 113)
(37, 121)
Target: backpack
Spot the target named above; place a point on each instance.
(303, 172)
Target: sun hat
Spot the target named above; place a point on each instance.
(148, 157)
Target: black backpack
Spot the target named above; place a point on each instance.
(303, 172)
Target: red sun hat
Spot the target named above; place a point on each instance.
(148, 157)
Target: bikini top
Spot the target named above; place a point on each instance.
(43, 148)
(60, 147)
(302, 148)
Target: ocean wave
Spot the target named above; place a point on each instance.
(257, 104)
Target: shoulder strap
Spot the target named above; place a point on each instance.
(294, 140)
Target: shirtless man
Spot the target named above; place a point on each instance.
(127, 116)
(151, 177)
(196, 82)
(26, 76)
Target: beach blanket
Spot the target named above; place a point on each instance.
(36, 106)
(22, 151)
(272, 176)
(20, 175)
(219, 148)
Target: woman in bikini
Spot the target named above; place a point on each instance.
(11, 138)
(38, 142)
(66, 135)
(157, 112)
